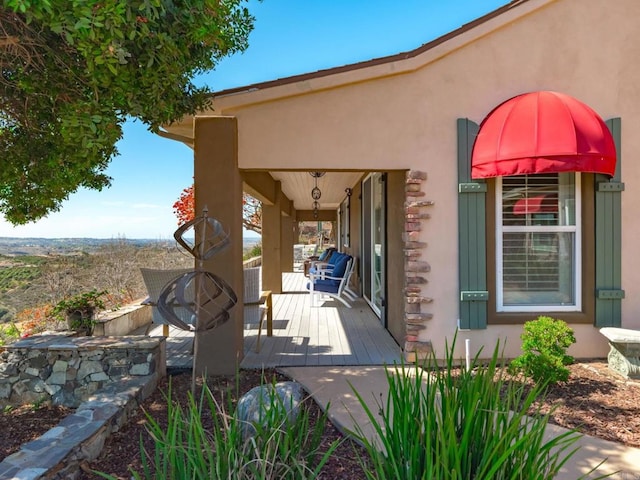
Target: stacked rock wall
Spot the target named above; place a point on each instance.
(67, 370)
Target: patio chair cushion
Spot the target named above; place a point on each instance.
(338, 256)
(328, 264)
(326, 254)
(327, 285)
(340, 266)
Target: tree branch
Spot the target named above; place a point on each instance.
(9, 41)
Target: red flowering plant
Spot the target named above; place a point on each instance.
(35, 320)
(184, 209)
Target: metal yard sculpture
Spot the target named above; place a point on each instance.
(204, 296)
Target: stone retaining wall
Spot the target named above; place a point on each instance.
(123, 321)
(68, 370)
(59, 453)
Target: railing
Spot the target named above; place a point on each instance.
(252, 262)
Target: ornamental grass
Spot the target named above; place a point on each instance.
(189, 447)
(445, 422)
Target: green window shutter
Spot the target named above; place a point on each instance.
(472, 247)
(608, 193)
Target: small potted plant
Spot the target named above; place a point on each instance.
(80, 310)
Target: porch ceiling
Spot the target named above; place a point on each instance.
(297, 187)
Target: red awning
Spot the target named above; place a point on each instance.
(542, 132)
(538, 204)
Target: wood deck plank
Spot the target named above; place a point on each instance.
(329, 334)
(326, 348)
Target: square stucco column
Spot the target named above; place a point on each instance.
(272, 243)
(218, 186)
(296, 228)
(286, 256)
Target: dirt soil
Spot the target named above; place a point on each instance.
(121, 451)
(595, 401)
(23, 424)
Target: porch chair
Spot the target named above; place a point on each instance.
(155, 281)
(332, 283)
(328, 263)
(327, 266)
(258, 304)
(348, 291)
(313, 260)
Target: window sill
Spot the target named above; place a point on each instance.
(518, 318)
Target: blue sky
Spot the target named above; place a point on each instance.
(290, 37)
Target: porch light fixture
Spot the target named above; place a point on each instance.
(316, 193)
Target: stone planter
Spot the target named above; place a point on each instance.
(81, 321)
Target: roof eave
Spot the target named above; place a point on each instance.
(397, 64)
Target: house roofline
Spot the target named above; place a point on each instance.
(373, 62)
(227, 101)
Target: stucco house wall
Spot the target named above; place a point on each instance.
(402, 115)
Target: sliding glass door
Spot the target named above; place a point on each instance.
(373, 242)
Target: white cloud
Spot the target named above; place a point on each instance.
(146, 205)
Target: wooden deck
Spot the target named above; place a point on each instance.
(179, 344)
(329, 334)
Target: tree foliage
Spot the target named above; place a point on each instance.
(71, 73)
(184, 209)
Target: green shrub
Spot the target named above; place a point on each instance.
(9, 333)
(458, 424)
(80, 309)
(186, 448)
(254, 251)
(544, 344)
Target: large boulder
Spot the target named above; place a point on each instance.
(254, 405)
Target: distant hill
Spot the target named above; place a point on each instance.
(36, 271)
(11, 246)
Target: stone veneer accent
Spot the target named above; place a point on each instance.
(415, 268)
(68, 370)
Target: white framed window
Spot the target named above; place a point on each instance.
(343, 213)
(538, 243)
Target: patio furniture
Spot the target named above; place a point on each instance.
(348, 291)
(258, 304)
(155, 280)
(624, 353)
(313, 260)
(332, 282)
(328, 263)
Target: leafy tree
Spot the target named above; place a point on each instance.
(251, 213)
(184, 209)
(71, 73)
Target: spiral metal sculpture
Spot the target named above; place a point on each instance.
(206, 297)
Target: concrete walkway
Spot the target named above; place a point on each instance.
(334, 385)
